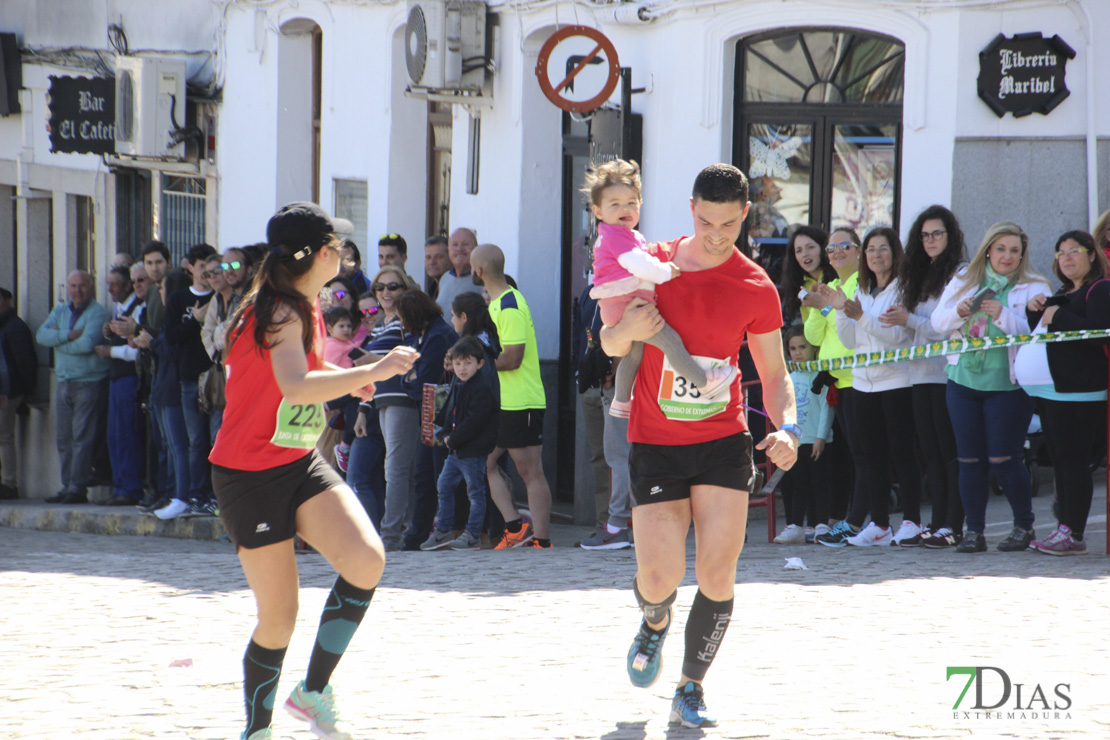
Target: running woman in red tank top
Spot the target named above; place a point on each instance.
(271, 483)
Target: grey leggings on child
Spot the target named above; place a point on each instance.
(666, 339)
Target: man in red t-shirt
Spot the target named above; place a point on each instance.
(692, 456)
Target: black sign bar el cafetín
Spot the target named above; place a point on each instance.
(82, 115)
(1024, 74)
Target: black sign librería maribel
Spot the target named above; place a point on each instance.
(82, 115)
(1023, 74)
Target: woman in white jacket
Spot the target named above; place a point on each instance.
(883, 398)
(934, 251)
(989, 410)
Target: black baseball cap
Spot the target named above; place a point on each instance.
(300, 224)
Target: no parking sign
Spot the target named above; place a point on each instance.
(597, 50)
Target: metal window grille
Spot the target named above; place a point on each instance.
(183, 204)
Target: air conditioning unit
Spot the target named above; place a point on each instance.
(445, 44)
(150, 105)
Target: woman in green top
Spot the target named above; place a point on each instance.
(820, 329)
(989, 410)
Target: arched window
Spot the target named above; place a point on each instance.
(818, 129)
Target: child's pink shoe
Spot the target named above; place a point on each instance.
(718, 381)
(620, 409)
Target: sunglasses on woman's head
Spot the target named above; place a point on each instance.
(368, 312)
(231, 265)
(387, 286)
(339, 294)
(389, 236)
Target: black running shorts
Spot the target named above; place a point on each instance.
(667, 472)
(518, 429)
(259, 507)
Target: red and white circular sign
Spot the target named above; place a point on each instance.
(568, 73)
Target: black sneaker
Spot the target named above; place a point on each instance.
(837, 536)
(972, 542)
(941, 539)
(1018, 540)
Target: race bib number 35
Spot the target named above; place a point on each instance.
(680, 400)
(298, 425)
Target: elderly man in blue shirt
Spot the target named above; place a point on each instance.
(73, 330)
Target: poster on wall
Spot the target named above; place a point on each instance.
(1024, 74)
(82, 115)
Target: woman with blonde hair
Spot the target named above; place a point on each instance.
(989, 410)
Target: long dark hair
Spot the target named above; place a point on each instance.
(867, 277)
(921, 277)
(274, 286)
(793, 276)
(478, 319)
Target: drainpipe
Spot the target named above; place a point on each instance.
(1084, 16)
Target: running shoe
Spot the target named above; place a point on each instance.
(264, 734)
(465, 541)
(1060, 542)
(718, 382)
(819, 530)
(318, 709)
(437, 540)
(536, 544)
(837, 536)
(603, 539)
(342, 456)
(810, 533)
(872, 535)
(688, 707)
(918, 540)
(972, 542)
(941, 539)
(906, 531)
(791, 535)
(645, 657)
(516, 539)
(172, 510)
(1018, 540)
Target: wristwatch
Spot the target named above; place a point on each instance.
(793, 429)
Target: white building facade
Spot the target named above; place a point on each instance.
(857, 112)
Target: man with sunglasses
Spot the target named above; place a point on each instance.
(236, 270)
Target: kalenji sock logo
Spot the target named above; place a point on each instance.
(997, 696)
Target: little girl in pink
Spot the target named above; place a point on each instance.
(624, 268)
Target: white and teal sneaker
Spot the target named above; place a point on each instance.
(688, 707)
(318, 709)
(263, 734)
(645, 657)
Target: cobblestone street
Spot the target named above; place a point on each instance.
(531, 644)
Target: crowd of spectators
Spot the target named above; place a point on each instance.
(963, 419)
(139, 395)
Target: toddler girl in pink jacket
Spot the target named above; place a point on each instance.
(624, 268)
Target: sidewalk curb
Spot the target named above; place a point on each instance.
(93, 519)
